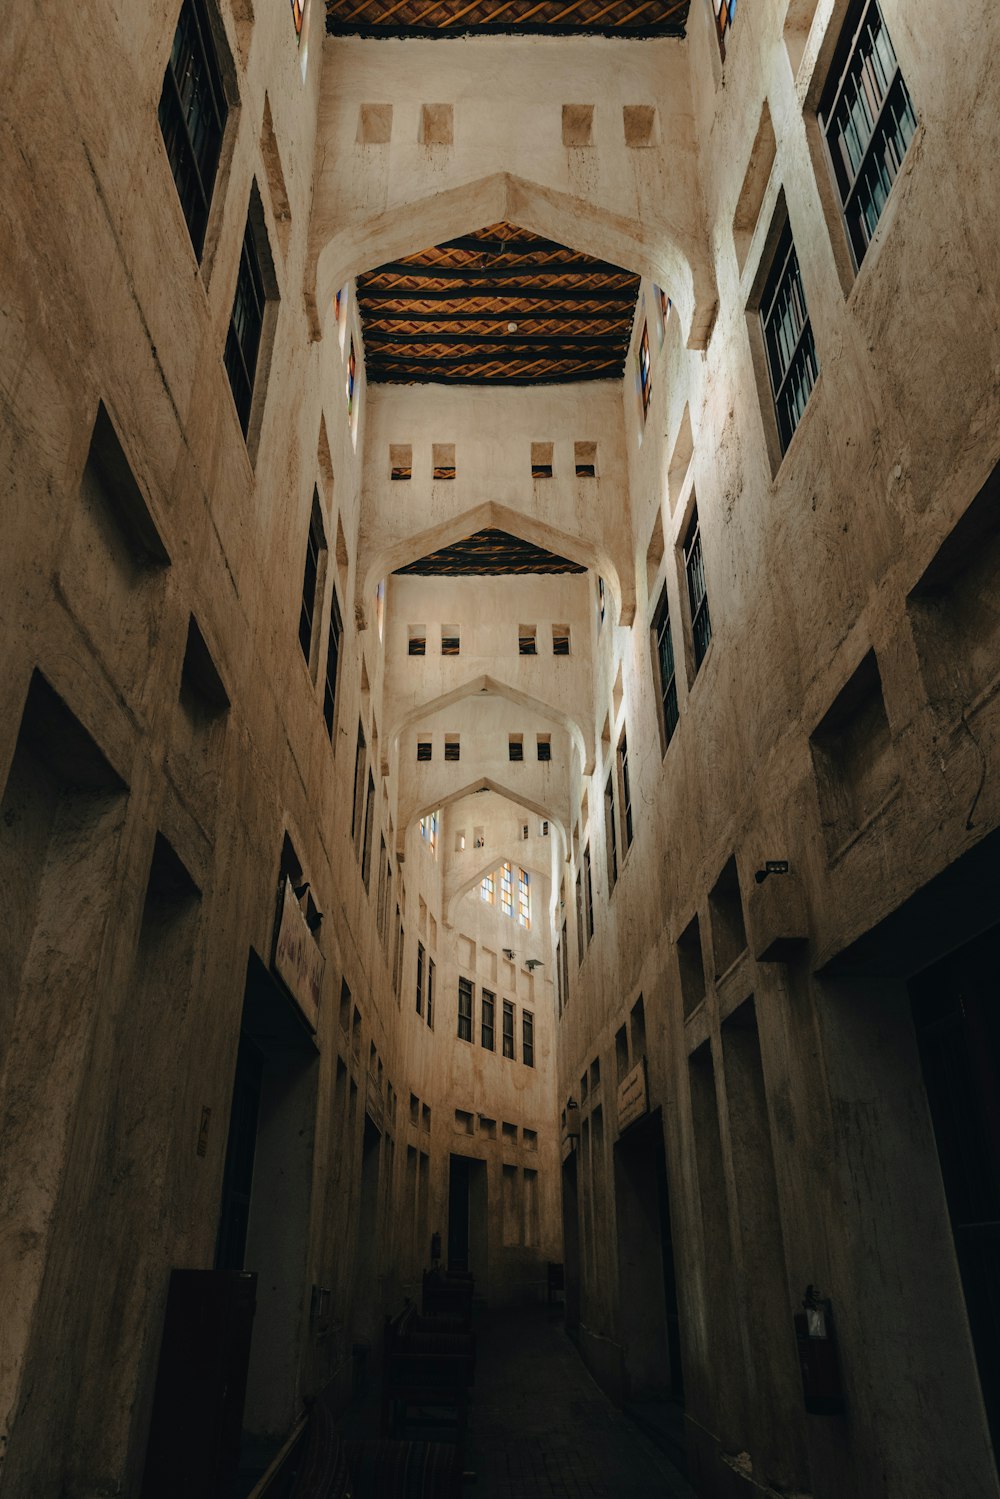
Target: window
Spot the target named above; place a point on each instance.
(508, 1028)
(352, 372)
(588, 891)
(451, 641)
(662, 304)
(488, 1019)
(601, 600)
(527, 1038)
(488, 889)
(315, 547)
(192, 116)
(464, 1010)
(626, 790)
(359, 787)
(332, 665)
(431, 975)
(423, 749)
(523, 898)
(611, 831)
(247, 321)
(429, 830)
(452, 747)
(792, 364)
(564, 943)
(694, 567)
(297, 17)
(868, 119)
(544, 744)
(417, 645)
(580, 948)
(560, 640)
(420, 978)
(506, 889)
(524, 832)
(526, 643)
(366, 857)
(515, 747)
(665, 665)
(645, 372)
(544, 828)
(725, 15)
(383, 888)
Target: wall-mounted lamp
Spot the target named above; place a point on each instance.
(771, 866)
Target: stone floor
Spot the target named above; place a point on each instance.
(541, 1429)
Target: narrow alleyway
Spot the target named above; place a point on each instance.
(542, 1429)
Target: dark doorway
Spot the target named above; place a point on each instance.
(571, 1241)
(266, 1193)
(648, 1285)
(364, 1311)
(956, 1011)
(458, 1214)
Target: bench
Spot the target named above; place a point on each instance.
(428, 1366)
(328, 1467)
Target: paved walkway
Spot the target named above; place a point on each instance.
(540, 1428)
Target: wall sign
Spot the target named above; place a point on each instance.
(633, 1095)
(298, 961)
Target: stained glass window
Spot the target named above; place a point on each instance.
(725, 15)
(488, 890)
(506, 890)
(645, 373)
(351, 374)
(523, 899)
(297, 17)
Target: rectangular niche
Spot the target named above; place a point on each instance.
(374, 124)
(400, 460)
(755, 180)
(853, 756)
(642, 125)
(729, 937)
(578, 124)
(541, 460)
(444, 460)
(953, 609)
(692, 966)
(585, 459)
(437, 125)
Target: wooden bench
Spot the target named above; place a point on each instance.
(447, 1295)
(328, 1467)
(428, 1367)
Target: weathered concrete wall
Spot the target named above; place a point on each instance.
(146, 801)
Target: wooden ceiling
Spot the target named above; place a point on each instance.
(445, 314)
(490, 552)
(437, 18)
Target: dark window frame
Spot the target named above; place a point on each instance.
(508, 1030)
(694, 573)
(193, 113)
(789, 345)
(666, 668)
(331, 682)
(312, 580)
(466, 1009)
(245, 333)
(868, 121)
(487, 1026)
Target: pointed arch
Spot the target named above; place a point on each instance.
(482, 783)
(498, 857)
(475, 687)
(673, 255)
(490, 515)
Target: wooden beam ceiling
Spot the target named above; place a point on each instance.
(435, 18)
(500, 306)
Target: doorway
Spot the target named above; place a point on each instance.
(647, 1278)
(266, 1194)
(571, 1243)
(468, 1242)
(957, 1018)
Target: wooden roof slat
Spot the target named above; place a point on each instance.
(416, 17)
(436, 315)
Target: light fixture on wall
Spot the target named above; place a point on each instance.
(511, 327)
(509, 954)
(771, 866)
(532, 963)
